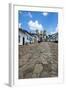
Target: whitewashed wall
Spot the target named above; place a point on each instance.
(21, 37)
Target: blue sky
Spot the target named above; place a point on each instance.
(31, 20)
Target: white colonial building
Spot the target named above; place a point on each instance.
(53, 37)
(25, 37)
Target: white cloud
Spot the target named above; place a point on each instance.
(45, 13)
(35, 25)
(30, 15)
(19, 25)
(56, 30)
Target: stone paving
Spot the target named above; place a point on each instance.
(38, 60)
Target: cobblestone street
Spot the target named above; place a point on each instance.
(38, 60)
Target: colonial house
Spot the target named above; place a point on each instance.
(42, 36)
(35, 37)
(53, 37)
(24, 37)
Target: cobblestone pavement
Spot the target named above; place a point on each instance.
(38, 60)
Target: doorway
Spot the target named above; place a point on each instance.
(23, 40)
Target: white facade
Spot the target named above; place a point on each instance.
(24, 38)
(20, 38)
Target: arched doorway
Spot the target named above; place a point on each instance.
(23, 40)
